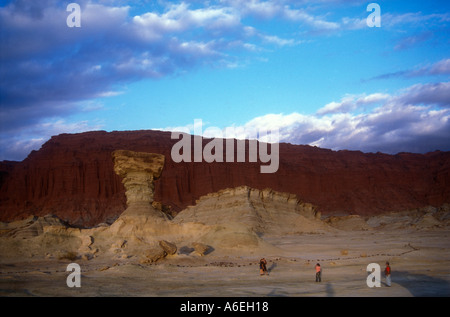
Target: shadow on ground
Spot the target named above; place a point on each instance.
(420, 284)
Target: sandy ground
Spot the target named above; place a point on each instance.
(420, 262)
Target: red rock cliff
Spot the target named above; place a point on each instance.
(72, 177)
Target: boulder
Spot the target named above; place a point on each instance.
(168, 247)
(200, 248)
(152, 255)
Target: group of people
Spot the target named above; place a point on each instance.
(263, 271)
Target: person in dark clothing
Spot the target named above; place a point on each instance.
(263, 267)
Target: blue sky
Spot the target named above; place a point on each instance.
(312, 69)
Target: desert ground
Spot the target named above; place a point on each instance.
(419, 259)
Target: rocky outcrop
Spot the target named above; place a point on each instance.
(72, 176)
(28, 228)
(140, 222)
(237, 221)
(138, 171)
(260, 211)
(168, 247)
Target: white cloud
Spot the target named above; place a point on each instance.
(180, 18)
(271, 9)
(318, 23)
(440, 68)
(412, 18)
(354, 23)
(406, 122)
(429, 94)
(273, 39)
(352, 102)
(18, 145)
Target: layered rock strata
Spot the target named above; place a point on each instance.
(261, 211)
(72, 176)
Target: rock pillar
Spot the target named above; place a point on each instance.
(138, 171)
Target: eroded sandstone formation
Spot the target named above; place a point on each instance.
(138, 171)
(261, 211)
(140, 222)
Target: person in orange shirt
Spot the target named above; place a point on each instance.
(318, 273)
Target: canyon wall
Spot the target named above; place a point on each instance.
(72, 176)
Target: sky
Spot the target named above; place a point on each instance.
(316, 71)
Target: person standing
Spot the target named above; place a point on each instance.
(387, 273)
(263, 267)
(318, 273)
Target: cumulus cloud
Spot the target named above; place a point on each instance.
(416, 119)
(427, 94)
(351, 102)
(284, 10)
(179, 17)
(47, 67)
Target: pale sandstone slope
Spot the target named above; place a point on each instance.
(262, 211)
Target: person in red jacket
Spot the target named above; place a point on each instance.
(387, 273)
